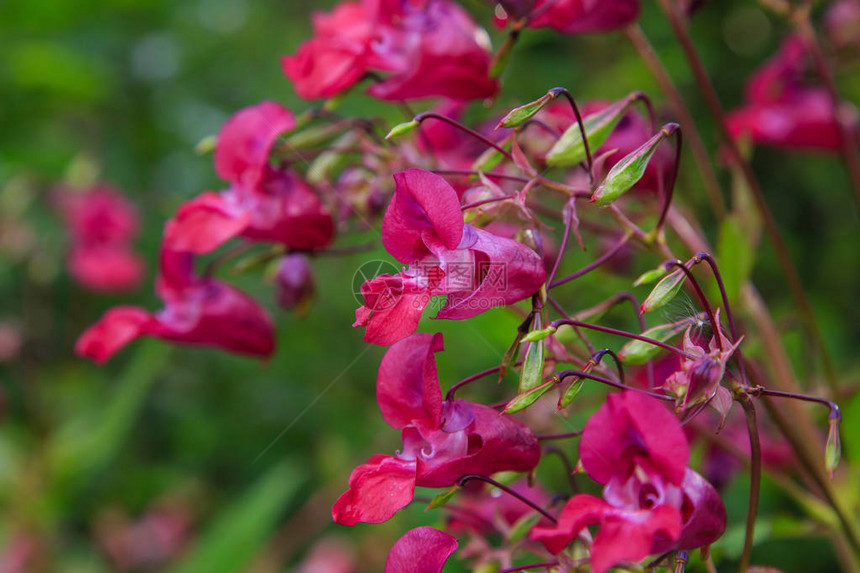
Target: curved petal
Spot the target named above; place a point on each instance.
(117, 327)
(407, 387)
(579, 511)
(631, 425)
(703, 513)
(505, 271)
(203, 224)
(420, 550)
(629, 536)
(494, 443)
(423, 202)
(392, 308)
(377, 490)
(244, 142)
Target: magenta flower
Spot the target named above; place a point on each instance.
(652, 502)
(423, 227)
(782, 110)
(263, 203)
(294, 282)
(423, 48)
(584, 16)
(197, 310)
(420, 550)
(101, 224)
(442, 440)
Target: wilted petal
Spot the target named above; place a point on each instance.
(421, 550)
(377, 490)
(407, 387)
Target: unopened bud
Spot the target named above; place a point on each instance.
(522, 114)
(569, 150)
(295, 283)
(531, 373)
(663, 292)
(833, 449)
(627, 172)
(649, 277)
(402, 128)
(638, 352)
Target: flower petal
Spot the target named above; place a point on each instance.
(203, 224)
(377, 490)
(407, 387)
(420, 550)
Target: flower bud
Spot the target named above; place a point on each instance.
(522, 114)
(402, 128)
(295, 283)
(663, 292)
(569, 150)
(833, 449)
(531, 373)
(624, 174)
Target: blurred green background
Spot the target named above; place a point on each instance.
(251, 455)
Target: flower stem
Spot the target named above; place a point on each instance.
(589, 161)
(568, 373)
(421, 117)
(676, 20)
(469, 477)
(545, 564)
(597, 262)
(755, 476)
(606, 329)
(702, 299)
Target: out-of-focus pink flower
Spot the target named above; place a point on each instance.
(842, 24)
(442, 440)
(483, 511)
(782, 110)
(294, 282)
(21, 554)
(581, 16)
(426, 48)
(329, 555)
(101, 224)
(152, 541)
(263, 203)
(197, 310)
(423, 227)
(420, 550)
(652, 502)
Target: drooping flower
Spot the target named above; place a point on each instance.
(423, 48)
(699, 376)
(197, 310)
(420, 550)
(423, 227)
(263, 203)
(652, 502)
(102, 225)
(784, 111)
(442, 440)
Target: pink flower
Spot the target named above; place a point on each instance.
(652, 502)
(781, 110)
(426, 47)
(197, 310)
(263, 203)
(420, 550)
(295, 282)
(584, 16)
(102, 224)
(423, 227)
(442, 440)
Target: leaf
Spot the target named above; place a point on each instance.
(236, 535)
(638, 352)
(735, 255)
(663, 292)
(569, 149)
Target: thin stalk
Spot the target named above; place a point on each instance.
(676, 20)
(560, 376)
(596, 263)
(453, 389)
(702, 299)
(606, 329)
(589, 161)
(755, 477)
(469, 477)
(562, 436)
(568, 223)
(669, 186)
(729, 315)
(568, 466)
(490, 174)
(486, 202)
(421, 117)
(679, 108)
(545, 564)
